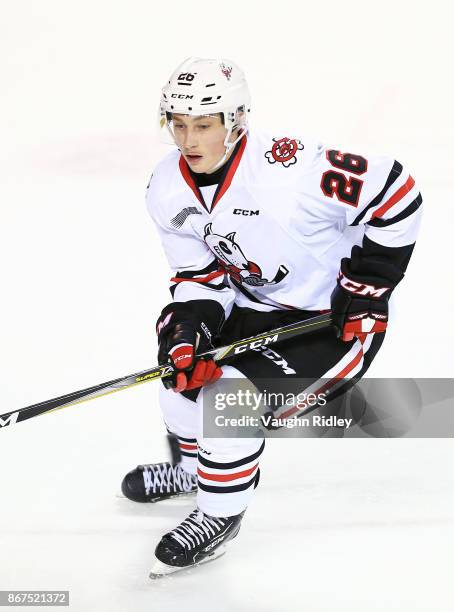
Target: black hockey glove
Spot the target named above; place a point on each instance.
(183, 329)
(359, 303)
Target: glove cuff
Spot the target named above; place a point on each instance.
(208, 315)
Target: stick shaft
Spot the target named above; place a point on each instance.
(221, 355)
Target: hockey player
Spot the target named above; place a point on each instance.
(260, 231)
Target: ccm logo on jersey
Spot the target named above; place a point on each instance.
(245, 213)
(255, 344)
(361, 288)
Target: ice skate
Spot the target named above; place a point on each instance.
(198, 539)
(157, 481)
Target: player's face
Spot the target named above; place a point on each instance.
(200, 139)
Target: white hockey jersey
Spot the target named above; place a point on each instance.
(278, 225)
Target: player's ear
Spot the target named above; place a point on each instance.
(231, 236)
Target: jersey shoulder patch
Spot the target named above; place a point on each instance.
(281, 158)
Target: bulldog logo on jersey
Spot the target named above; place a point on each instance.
(284, 151)
(234, 261)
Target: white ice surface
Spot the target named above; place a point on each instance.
(354, 525)
(334, 525)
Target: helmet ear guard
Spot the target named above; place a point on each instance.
(239, 124)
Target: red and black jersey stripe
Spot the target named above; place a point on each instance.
(409, 210)
(203, 276)
(396, 171)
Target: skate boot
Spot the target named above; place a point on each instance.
(198, 539)
(157, 481)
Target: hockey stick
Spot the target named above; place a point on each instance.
(221, 355)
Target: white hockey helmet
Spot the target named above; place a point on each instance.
(206, 87)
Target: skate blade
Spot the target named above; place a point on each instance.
(119, 495)
(160, 570)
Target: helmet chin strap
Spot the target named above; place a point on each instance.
(228, 147)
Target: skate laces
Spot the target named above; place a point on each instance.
(197, 528)
(166, 478)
